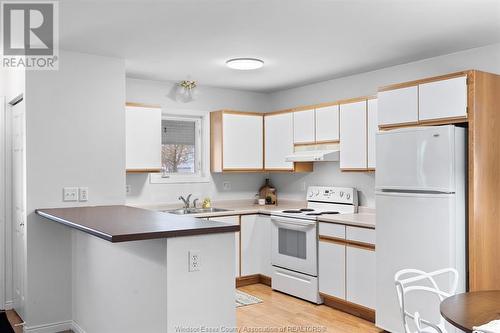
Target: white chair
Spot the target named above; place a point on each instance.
(406, 282)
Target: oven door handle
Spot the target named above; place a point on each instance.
(294, 224)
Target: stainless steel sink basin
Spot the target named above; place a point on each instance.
(183, 211)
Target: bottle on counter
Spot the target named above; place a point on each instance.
(268, 193)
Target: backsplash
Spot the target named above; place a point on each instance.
(293, 186)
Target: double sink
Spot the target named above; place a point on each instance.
(184, 211)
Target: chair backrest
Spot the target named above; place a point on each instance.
(413, 280)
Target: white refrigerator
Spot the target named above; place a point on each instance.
(421, 212)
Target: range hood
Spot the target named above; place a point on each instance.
(314, 156)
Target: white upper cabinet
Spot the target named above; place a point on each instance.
(372, 131)
(303, 126)
(279, 140)
(398, 106)
(443, 99)
(353, 140)
(143, 139)
(327, 124)
(243, 141)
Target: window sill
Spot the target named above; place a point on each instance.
(156, 178)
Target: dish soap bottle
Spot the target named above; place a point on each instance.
(268, 192)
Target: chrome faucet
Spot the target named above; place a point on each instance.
(186, 200)
(194, 202)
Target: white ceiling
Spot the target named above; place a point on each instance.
(300, 41)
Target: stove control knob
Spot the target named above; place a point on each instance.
(348, 196)
(341, 194)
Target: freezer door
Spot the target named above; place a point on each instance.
(419, 158)
(418, 231)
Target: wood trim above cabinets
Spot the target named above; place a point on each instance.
(356, 99)
(142, 105)
(395, 86)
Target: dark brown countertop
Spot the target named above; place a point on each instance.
(123, 223)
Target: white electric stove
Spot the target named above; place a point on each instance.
(294, 239)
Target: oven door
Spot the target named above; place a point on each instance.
(294, 244)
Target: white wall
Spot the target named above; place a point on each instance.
(290, 185)
(75, 125)
(243, 186)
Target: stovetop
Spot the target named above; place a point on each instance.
(324, 201)
(305, 213)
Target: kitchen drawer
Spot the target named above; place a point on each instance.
(332, 230)
(363, 235)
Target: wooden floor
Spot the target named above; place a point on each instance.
(279, 310)
(13, 320)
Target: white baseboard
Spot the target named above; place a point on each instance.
(9, 305)
(76, 328)
(50, 328)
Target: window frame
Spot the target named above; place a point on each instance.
(201, 151)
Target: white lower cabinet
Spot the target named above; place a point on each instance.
(332, 269)
(360, 276)
(347, 263)
(232, 220)
(255, 245)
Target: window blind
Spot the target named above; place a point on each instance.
(177, 132)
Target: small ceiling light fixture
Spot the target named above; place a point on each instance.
(244, 64)
(185, 91)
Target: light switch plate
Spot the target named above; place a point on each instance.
(83, 193)
(70, 194)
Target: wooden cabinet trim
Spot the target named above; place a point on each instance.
(356, 99)
(396, 86)
(351, 308)
(347, 242)
(143, 170)
(142, 105)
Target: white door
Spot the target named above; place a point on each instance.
(303, 126)
(360, 276)
(419, 231)
(243, 141)
(372, 129)
(19, 205)
(279, 140)
(398, 106)
(331, 274)
(143, 138)
(419, 158)
(353, 133)
(250, 245)
(237, 256)
(327, 123)
(264, 243)
(443, 99)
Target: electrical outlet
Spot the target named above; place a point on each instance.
(194, 261)
(128, 189)
(70, 194)
(226, 185)
(83, 193)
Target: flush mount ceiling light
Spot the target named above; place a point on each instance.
(244, 64)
